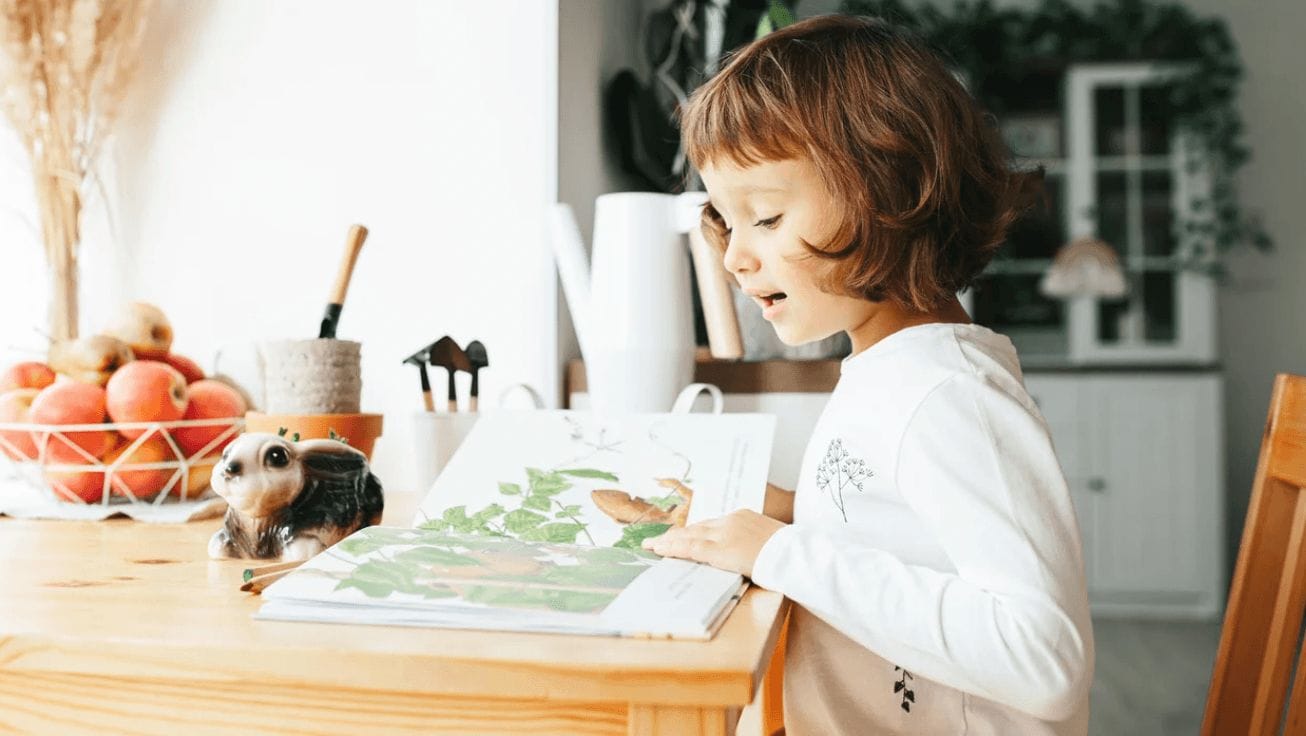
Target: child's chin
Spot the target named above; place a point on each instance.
(791, 341)
(795, 338)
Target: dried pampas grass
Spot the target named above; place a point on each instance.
(64, 69)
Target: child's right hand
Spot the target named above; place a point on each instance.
(779, 504)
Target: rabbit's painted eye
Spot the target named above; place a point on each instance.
(276, 458)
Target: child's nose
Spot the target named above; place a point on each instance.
(738, 257)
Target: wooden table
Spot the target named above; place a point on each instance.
(124, 627)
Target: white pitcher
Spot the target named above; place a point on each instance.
(634, 314)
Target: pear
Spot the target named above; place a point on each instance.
(144, 327)
(89, 359)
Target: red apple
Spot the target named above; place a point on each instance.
(145, 483)
(16, 408)
(72, 402)
(145, 391)
(209, 399)
(187, 367)
(26, 375)
(70, 486)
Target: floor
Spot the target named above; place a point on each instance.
(1151, 676)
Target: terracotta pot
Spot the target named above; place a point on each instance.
(360, 429)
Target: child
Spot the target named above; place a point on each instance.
(931, 548)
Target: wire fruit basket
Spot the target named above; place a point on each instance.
(117, 463)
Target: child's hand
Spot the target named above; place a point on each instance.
(730, 542)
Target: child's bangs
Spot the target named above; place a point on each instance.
(735, 119)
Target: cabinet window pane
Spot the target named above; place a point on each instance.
(1154, 115)
(1011, 304)
(1159, 307)
(1112, 320)
(1041, 231)
(1158, 215)
(1109, 108)
(1112, 209)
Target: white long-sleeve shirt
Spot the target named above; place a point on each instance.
(934, 557)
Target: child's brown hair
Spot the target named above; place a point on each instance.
(925, 191)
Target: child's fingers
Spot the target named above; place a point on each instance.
(689, 543)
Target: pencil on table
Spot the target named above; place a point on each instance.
(253, 572)
(257, 583)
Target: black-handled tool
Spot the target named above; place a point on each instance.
(419, 359)
(478, 358)
(446, 354)
(331, 318)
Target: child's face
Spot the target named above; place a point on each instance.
(771, 209)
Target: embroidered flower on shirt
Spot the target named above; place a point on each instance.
(838, 471)
(908, 695)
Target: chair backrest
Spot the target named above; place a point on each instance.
(1262, 623)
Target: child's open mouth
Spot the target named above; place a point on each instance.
(771, 304)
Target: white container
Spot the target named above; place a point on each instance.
(633, 313)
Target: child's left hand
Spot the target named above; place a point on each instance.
(730, 542)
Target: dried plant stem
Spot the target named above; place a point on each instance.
(64, 69)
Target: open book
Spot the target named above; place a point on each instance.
(536, 525)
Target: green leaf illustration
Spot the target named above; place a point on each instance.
(493, 511)
(374, 538)
(521, 520)
(569, 510)
(510, 489)
(435, 556)
(539, 503)
(434, 525)
(557, 532)
(590, 473)
(634, 534)
(614, 576)
(380, 578)
(614, 555)
(369, 589)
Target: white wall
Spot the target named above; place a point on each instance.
(594, 43)
(261, 131)
(1263, 301)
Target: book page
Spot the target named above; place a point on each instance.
(573, 477)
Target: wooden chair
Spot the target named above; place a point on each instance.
(1262, 624)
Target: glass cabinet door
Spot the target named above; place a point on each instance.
(1129, 182)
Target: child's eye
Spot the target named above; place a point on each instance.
(769, 223)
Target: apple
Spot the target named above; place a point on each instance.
(89, 359)
(73, 485)
(16, 408)
(197, 481)
(145, 391)
(144, 327)
(145, 483)
(26, 375)
(209, 399)
(187, 367)
(72, 402)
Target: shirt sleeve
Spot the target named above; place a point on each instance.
(1011, 624)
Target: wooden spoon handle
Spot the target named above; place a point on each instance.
(353, 244)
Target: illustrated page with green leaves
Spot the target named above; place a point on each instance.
(536, 523)
(560, 476)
